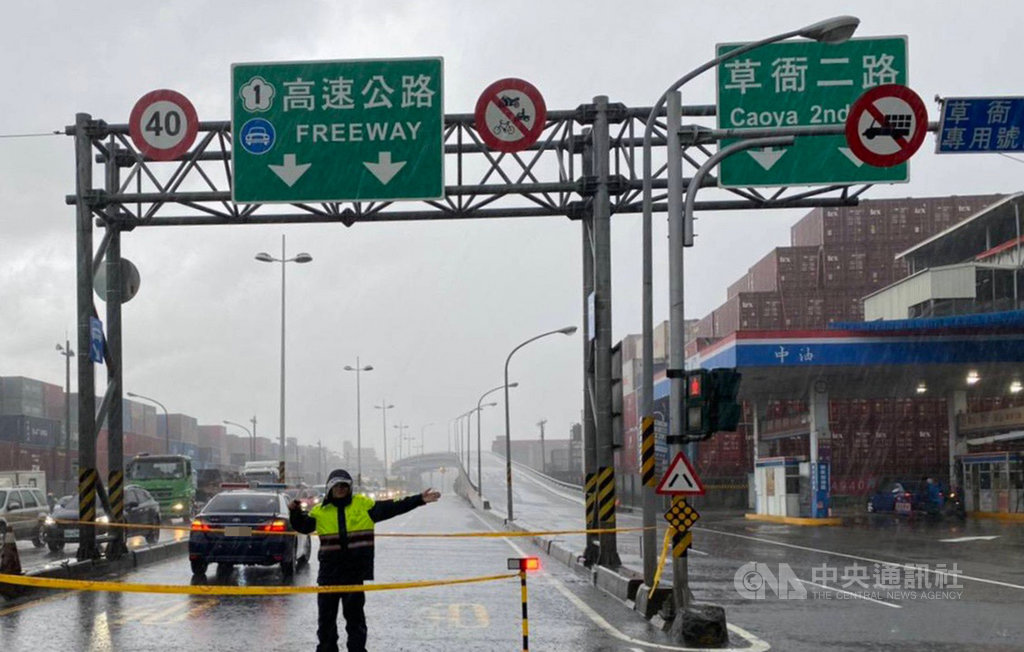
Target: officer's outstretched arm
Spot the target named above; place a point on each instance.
(301, 521)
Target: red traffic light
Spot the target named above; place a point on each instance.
(695, 386)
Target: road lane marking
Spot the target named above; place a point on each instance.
(756, 644)
(856, 595)
(870, 559)
(963, 539)
(38, 602)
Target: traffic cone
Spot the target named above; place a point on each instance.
(10, 562)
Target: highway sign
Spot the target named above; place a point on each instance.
(510, 115)
(804, 83)
(163, 124)
(971, 125)
(886, 125)
(680, 479)
(97, 343)
(337, 130)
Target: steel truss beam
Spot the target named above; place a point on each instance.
(547, 179)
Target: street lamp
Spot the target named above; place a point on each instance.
(832, 30)
(252, 437)
(167, 420)
(65, 350)
(359, 437)
(423, 428)
(401, 428)
(568, 330)
(264, 257)
(384, 407)
(479, 473)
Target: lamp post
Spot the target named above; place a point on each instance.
(65, 350)
(422, 429)
(264, 257)
(384, 407)
(833, 30)
(167, 420)
(359, 436)
(401, 428)
(568, 330)
(252, 442)
(479, 449)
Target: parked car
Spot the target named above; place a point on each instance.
(140, 509)
(247, 526)
(23, 510)
(898, 496)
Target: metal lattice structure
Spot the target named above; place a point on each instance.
(547, 179)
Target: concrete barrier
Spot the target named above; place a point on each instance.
(621, 586)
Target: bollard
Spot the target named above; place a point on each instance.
(10, 562)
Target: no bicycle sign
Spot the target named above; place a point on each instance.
(510, 115)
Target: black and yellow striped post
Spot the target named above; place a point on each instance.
(526, 617)
(681, 542)
(590, 500)
(647, 453)
(87, 514)
(606, 497)
(115, 486)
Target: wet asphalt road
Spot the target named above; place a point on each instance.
(848, 611)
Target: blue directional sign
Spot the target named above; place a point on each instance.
(96, 344)
(973, 125)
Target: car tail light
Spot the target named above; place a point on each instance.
(199, 526)
(277, 525)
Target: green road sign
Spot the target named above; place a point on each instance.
(337, 130)
(804, 83)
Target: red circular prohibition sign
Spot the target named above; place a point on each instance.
(490, 102)
(866, 104)
(177, 145)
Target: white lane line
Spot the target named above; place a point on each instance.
(756, 644)
(856, 595)
(953, 576)
(963, 539)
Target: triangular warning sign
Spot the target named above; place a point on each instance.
(680, 479)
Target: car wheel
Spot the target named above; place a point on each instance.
(199, 566)
(153, 533)
(224, 569)
(37, 537)
(55, 546)
(288, 567)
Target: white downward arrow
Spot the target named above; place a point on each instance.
(767, 157)
(384, 169)
(289, 171)
(962, 539)
(848, 153)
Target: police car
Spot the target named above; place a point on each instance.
(250, 526)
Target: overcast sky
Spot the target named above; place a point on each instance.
(436, 307)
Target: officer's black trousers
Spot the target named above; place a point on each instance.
(355, 620)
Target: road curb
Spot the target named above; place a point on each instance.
(998, 516)
(794, 520)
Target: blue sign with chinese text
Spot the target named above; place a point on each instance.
(97, 344)
(981, 124)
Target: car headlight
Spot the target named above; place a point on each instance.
(49, 521)
(103, 519)
(178, 507)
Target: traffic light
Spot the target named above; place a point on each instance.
(724, 412)
(696, 400)
(709, 402)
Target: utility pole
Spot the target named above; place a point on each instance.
(543, 455)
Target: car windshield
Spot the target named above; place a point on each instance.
(3, 497)
(262, 503)
(154, 470)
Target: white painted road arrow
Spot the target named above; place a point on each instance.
(848, 153)
(962, 539)
(384, 169)
(289, 171)
(767, 157)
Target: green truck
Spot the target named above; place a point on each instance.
(172, 481)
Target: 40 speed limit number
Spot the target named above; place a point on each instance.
(163, 124)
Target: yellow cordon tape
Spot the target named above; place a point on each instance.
(661, 561)
(122, 587)
(428, 535)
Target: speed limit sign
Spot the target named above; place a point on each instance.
(163, 124)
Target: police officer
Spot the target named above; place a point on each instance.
(344, 522)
